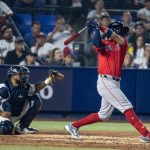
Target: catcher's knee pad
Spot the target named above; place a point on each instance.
(35, 102)
(6, 126)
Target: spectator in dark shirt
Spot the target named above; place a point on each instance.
(140, 30)
(17, 55)
(30, 38)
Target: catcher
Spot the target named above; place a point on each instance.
(19, 100)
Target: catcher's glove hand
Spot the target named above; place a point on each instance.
(55, 75)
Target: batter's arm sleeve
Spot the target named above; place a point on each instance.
(97, 40)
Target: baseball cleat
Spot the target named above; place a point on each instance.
(73, 131)
(144, 139)
(18, 130)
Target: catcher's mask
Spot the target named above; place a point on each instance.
(22, 71)
(6, 126)
(119, 28)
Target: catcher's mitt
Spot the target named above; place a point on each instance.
(55, 75)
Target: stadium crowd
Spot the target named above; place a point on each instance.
(39, 48)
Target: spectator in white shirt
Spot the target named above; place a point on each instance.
(139, 47)
(98, 11)
(143, 62)
(42, 48)
(144, 13)
(60, 33)
(7, 43)
(5, 11)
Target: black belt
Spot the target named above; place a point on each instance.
(114, 78)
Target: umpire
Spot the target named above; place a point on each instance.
(18, 98)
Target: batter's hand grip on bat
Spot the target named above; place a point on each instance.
(69, 40)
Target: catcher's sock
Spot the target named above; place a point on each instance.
(136, 123)
(92, 118)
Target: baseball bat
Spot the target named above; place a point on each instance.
(74, 36)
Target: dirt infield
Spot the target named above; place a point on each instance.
(115, 140)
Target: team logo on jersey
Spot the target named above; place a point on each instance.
(20, 96)
(108, 48)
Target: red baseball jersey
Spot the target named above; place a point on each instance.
(111, 57)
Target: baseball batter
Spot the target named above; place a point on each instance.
(111, 55)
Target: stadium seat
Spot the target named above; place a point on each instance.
(23, 19)
(24, 29)
(117, 18)
(47, 29)
(45, 19)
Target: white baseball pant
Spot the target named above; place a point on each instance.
(112, 97)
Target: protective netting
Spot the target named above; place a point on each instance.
(58, 19)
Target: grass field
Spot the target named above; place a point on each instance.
(59, 126)
(107, 126)
(10, 147)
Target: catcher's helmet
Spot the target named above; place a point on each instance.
(119, 28)
(22, 71)
(6, 126)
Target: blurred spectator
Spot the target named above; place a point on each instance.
(140, 30)
(143, 62)
(137, 4)
(78, 56)
(29, 60)
(7, 41)
(139, 47)
(41, 48)
(127, 61)
(2, 60)
(60, 33)
(18, 54)
(30, 3)
(76, 3)
(144, 13)
(104, 20)
(5, 11)
(75, 16)
(30, 38)
(56, 57)
(68, 58)
(127, 21)
(98, 11)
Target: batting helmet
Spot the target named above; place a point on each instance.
(119, 28)
(22, 71)
(6, 126)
